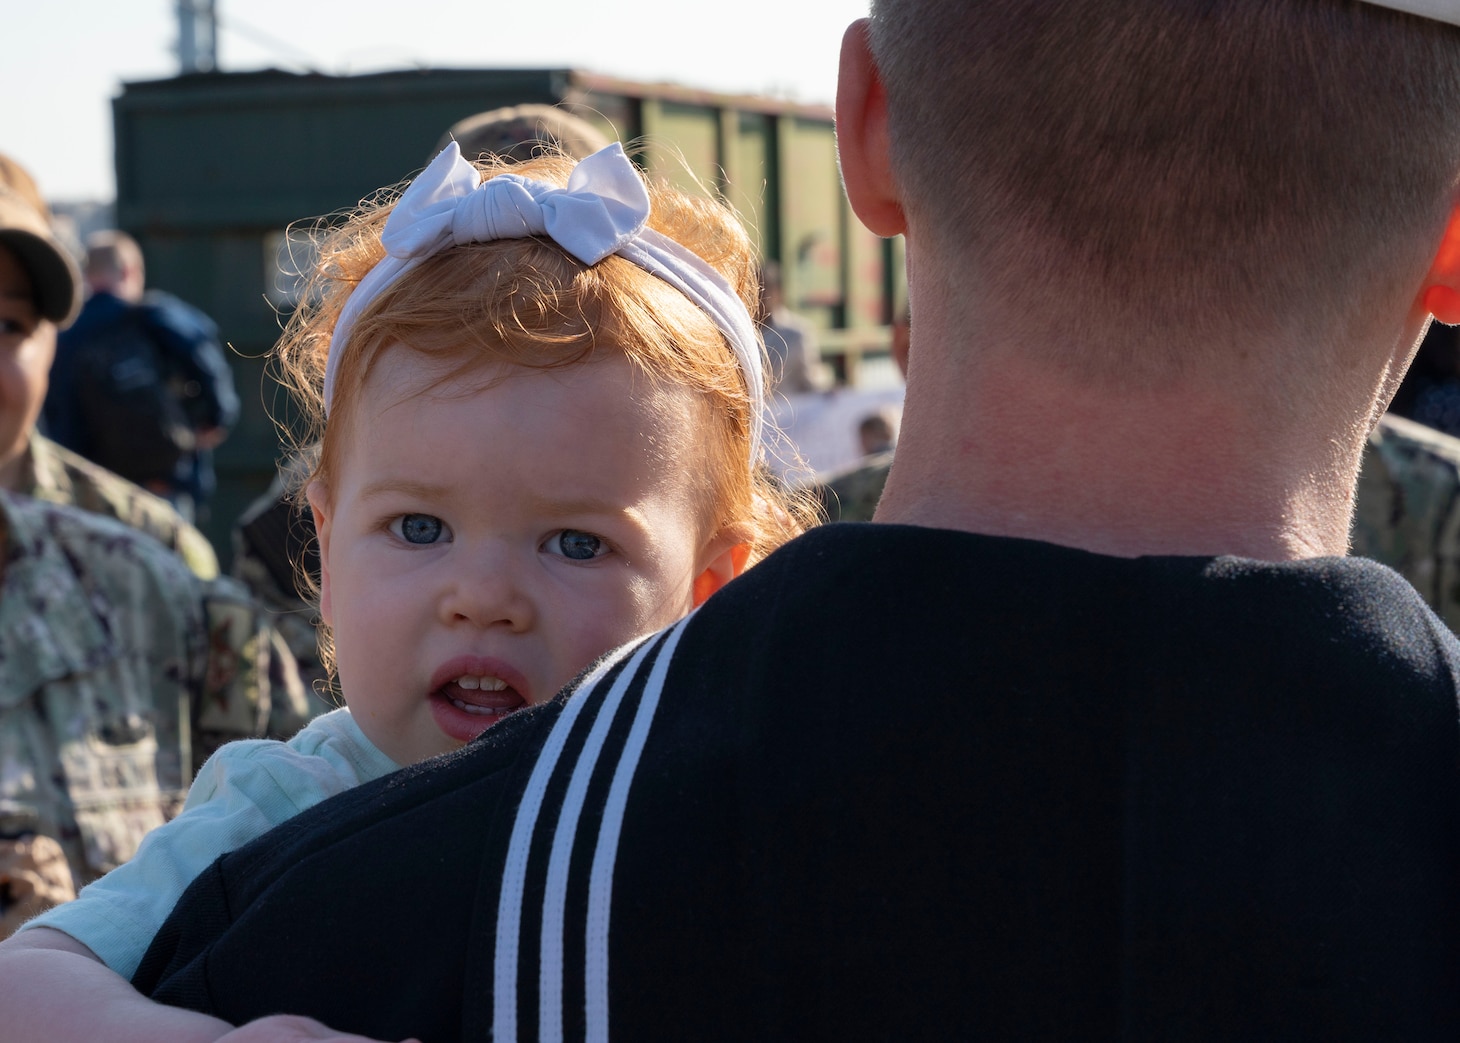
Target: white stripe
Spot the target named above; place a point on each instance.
(514, 873)
(600, 881)
(555, 896)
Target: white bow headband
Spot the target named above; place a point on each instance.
(601, 212)
(1439, 10)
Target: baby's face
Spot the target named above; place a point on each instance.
(482, 545)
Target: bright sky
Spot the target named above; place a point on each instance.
(66, 59)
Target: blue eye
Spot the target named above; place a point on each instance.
(579, 546)
(419, 528)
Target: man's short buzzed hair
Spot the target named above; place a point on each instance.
(1239, 160)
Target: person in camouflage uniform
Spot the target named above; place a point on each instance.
(852, 494)
(276, 557)
(38, 466)
(120, 671)
(120, 668)
(1407, 510)
(53, 473)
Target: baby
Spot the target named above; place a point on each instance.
(539, 398)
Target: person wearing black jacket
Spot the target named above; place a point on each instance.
(141, 384)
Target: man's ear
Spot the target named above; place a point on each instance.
(723, 567)
(1440, 294)
(319, 507)
(861, 136)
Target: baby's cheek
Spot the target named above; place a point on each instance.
(666, 601)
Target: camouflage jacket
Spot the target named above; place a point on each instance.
(273, 543)
(852, 494)
(120, 671)
(1406, 513)
(57, 475)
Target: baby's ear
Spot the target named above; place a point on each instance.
(724, 566)
(318, 499)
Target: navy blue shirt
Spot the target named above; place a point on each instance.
(189, 348)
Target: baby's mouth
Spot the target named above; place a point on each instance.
(482, 696)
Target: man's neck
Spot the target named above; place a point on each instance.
(1012, 451)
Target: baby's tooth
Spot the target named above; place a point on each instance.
(484, 684)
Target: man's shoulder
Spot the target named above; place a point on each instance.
(64, 477)
(907, 579)
(166, 311)
(101, 553)
(99, 311)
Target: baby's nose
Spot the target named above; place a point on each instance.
(488, 589)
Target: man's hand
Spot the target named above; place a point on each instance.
(34, 877)
(288, 1028)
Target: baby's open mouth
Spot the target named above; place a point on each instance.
(473, 693)
(482, 696)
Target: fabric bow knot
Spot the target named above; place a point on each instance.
(602, 211)
(603, 207)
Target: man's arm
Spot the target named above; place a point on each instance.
(53, 990)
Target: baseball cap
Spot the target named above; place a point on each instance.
(513, 132)
(16, 178)
(1439, 10)
(53, 271)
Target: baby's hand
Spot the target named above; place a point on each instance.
(289, 1028)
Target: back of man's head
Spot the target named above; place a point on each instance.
(1166, 166)
(114, 264)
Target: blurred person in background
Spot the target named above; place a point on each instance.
(790, 340)
(36, 466)
(851, 493)
(141, 384)
(877, 433)
(519, 132)
(120, 668)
